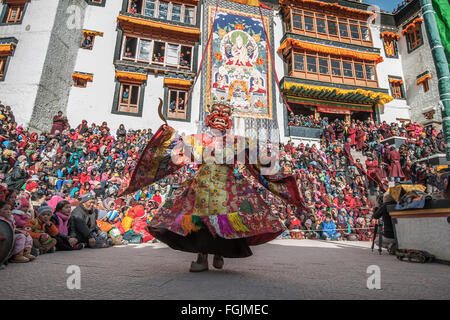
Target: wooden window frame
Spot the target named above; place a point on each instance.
(79, 83)
(426, 86)
(320, 58)
(312, 16)
(124, 48)
(414, 39)
(301, 21)
(355, 24)
(373, 71)
(184, 111)
(328, 18)
(322, 18)
(308, 55)
(120, 104)
(363, 70)
(293, 62)
(397, 89)
(334, 20)
(171, 4)
(152, 52)
(3, 63)
(394, 43)
(333, 78)
(9, 12)
(93, 41)
(351, 66)
(334, 68)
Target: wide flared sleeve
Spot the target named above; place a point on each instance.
(156, 162)
(282, 185)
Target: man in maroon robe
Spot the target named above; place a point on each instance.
(347, 151)
(373, 173)
(352, 135)
(360, 138)
(395, 169)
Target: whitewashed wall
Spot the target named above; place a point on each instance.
(279, 65)
(24, 72)
(397, 108)
(94, 103)
(414, 64)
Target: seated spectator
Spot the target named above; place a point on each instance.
(66, 237)
(328, 229)
(23, 242)
(87, 231)
(309, 230)
(87, 43)
(43, 230)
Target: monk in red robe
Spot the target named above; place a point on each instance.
(395, 169)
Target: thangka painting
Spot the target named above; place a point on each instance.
(239, 65)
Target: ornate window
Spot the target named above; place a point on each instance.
(413, 34)
(80, 79)
(89, 38)
(171, 11)
(423, 79)
(390, 43)
(129, 92)
(157, 52)
(397, 88)
(7, 48)
(13, 11)
(176, 99)
(303, 64)
(3, 61)
(129, 98)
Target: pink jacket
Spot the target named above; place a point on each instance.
(20, 218)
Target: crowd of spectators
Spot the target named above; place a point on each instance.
(60, 189)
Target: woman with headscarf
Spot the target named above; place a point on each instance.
(66, 239)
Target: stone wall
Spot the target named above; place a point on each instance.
(56, 79)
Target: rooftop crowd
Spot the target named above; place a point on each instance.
(59, 190)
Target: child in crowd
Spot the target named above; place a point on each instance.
(22, 240)
(21, 212)
(42, 230)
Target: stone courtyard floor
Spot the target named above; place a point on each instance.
(281, 269)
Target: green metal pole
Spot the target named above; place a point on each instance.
(441, 64)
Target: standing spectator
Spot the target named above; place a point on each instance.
(395, 169)
(59, 123)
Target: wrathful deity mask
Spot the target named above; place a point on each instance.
(219, 117)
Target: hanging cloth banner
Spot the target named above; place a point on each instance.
(333, 110)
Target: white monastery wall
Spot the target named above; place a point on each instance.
(19, 89)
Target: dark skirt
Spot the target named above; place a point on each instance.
(202, 241)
